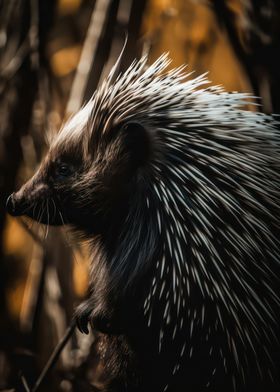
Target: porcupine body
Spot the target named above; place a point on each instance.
(176, 187)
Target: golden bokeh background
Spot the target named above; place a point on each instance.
(194, 33)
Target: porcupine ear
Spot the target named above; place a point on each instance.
(137, 144)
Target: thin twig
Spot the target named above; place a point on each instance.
(34, 34)
(15, 62)
(25, 384)
(54, 356)
(88, 54)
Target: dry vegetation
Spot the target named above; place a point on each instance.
(52, 56)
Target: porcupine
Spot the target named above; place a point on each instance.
(175, 185)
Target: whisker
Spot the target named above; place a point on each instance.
(61, 217)
(52, 199)
(48, 219)
(41, 229)
(40, 213)
(68, 242)
(45, 226)
(32, 221)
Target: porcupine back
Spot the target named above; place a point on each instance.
(203, 224)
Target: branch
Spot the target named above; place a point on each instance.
(54, 356)
(88, 54)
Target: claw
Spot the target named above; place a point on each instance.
(84, 316)
(82, 323)
(82, 320)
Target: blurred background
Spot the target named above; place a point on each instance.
(53, 55)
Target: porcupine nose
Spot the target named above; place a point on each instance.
(11, 206)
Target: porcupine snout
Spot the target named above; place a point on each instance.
(21, 202)
(28, 199)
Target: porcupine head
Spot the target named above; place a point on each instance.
(174, 182)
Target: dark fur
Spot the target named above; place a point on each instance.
(100, 190)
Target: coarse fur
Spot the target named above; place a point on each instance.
(176, 187)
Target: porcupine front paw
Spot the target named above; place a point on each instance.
(85, 315)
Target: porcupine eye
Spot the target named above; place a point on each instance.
(63, 171)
